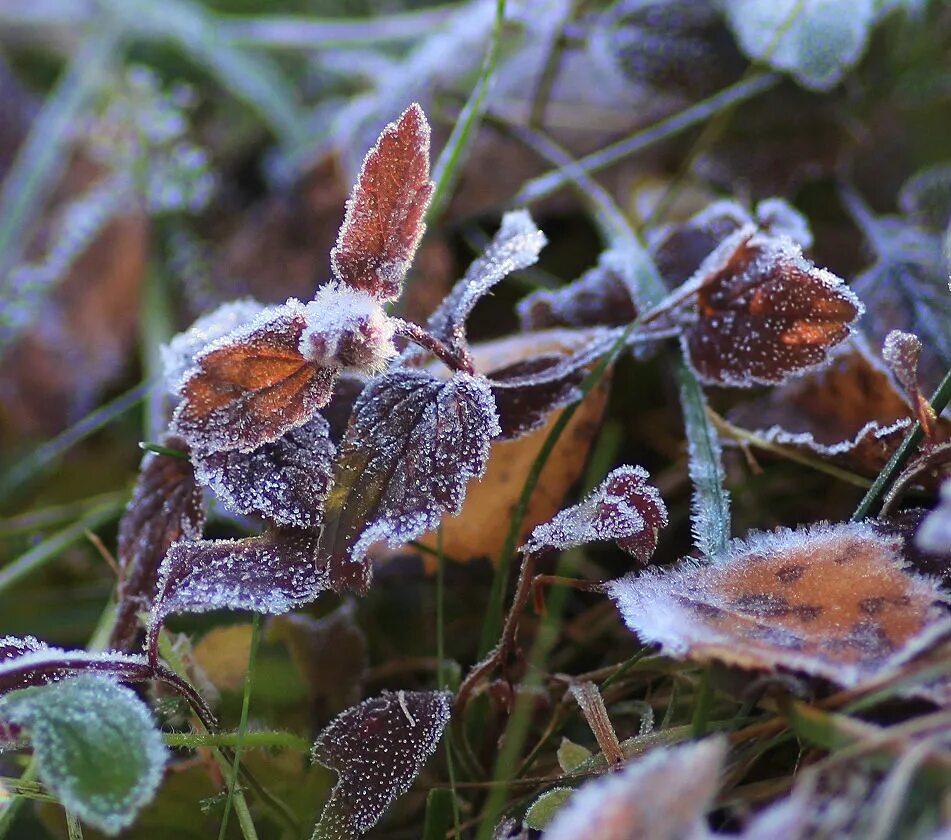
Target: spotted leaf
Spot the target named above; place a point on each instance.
(384, 219)
(377, 749)
(623, 507)
(830, 600)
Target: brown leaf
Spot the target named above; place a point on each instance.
(829, 600)
(253, 386)
(384, 219)
(166, 506)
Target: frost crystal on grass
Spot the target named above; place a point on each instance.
(516, 245)
(178, 356)
(830, 600)
(96, 747)
(664, 794)
(413, 444)
(623, 507)
(378, 749)
(286, 481)
(764, 312)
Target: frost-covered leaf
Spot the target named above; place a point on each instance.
(925, 198)
(526, 392)
(661, 796)
(178, 356)
(413, 444)
(271, 574)
(906, 288)
(601, 296)
(166, 506)
(285, 482)
(815, 41)
(96, 747)
(378, 749)
(544, 809)
(848, 412)
(829, 600)
(515, 246)
(253, 385)
(763, 312)
(624, 508)
(384, 218)
(570, 755)
(902, 353)
(935, 532)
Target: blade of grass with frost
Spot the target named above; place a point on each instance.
(49, 549)
(43, 155)
(463, 132)
(251, 78)
(301, 32)
(45, 456)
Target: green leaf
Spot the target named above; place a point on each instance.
(542, 811)
(571, 755)
(96, 746)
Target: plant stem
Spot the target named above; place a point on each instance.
(257, 740)
(456, 359)
(243, 725)
(939, 402)
(158, 449)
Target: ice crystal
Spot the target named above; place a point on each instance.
(624, 507)
(378, 749)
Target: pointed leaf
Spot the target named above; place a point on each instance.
(830, 600)
(166, 506)
(96, 747)
(516, 245)
(378, 749)
(285, 482)
(413, 444)
(270, 574)
(764, 313)
(661, 796)
(385, 212)
(253, 385)
(623, 507)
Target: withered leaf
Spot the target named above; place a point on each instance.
(252, 386)
(285, 482)
(515, 246)
(384, 219)
(660, 796)
(166, 506)
(624, 507)
(271, 573)
(763, 312)
(378, 749)
(829, 600)
(413, 444)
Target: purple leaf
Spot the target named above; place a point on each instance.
(623, 507)
(378, 749)
(285, 482)
(384, 219)
(271, 574)
(413, 444)
(166, 506)
(516, 245)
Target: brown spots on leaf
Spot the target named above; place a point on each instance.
(790, 573)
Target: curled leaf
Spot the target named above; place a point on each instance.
(664, 794)
(377, 749)
(285, 482)
(253, 385)
(413, 444)
(902, 352)
(384, 218)
(166, 506)
(624, 507)
(830, 600)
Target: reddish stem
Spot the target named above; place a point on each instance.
(455, 359)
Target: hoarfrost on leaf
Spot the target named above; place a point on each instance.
(664, 794)
(95, 744)
(624, 507)
(816, 41)
(285, 482)
(833, 601)
(377, 748)
(413, 444)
